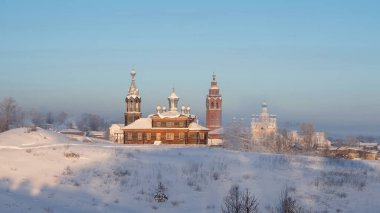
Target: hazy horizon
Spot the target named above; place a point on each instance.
(311, 61)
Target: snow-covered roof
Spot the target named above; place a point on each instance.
(219, 131)
(142, 123)
(368, 144)
(118, 125)
(169, 114)
(195, 126)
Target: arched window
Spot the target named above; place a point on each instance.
(212, 105)
(217, 105)
(129, 108)
(132, 106)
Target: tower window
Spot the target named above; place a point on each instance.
(212, 105)
(217, 105)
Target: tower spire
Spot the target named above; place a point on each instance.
(132, 101)
(133, 91)
(173, 101)
(214, 84)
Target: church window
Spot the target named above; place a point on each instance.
(139, 136)
(169, 136)
(148, 136)
(212, 105)
(182, 136)
(202, 136)
(217, 105)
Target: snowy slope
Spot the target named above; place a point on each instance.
(58, 174)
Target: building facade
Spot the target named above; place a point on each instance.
(263, 125)
(167, 127)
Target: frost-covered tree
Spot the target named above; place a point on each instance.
(232, 202)
(237, 136)
(61, 118)
(8, 109)
(50, 118)
(307, 129)
(160, 194)
(37, 118)
(91, 122)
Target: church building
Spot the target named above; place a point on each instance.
(263, 125)
(166, 126)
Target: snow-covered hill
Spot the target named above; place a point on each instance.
(44, 171)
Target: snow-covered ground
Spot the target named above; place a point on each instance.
(44, 171)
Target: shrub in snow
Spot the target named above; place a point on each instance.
(240, 202)
(287, 204)
(71, 155)
(67, 171)
(159, 195)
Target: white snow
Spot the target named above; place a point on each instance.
(219, 131)
(47, 172)
(195, 127)
(142, 123)
(170, 114)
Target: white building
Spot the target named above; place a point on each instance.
(117, 133)
(319, 139)
(263, 125)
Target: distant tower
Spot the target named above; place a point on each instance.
(173, 101)
(132, 102)
(214, 106)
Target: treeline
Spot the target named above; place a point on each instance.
(13, 116)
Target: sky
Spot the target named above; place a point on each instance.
(311, 61)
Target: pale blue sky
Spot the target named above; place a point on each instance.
(315, 61)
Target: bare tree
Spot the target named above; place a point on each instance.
(307, 129)
(232, 202)
(8, 108)
(250, 203)
(239, 202)
(287, 204)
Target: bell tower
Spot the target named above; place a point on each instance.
(213, 106)
(132, 102)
